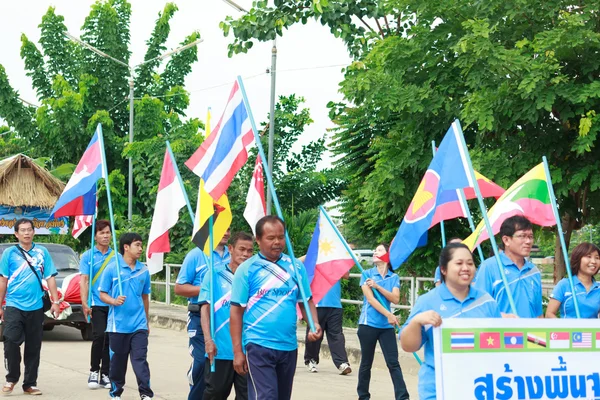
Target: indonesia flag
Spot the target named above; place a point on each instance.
(255, 200)
(79, 196)
(169, 200)
(327, 259)
(225, 150)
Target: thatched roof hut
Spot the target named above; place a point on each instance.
(24, 183)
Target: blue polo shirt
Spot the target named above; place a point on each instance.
(477, 304)
(23, 289)
(525, 285)
(333, 298)
(269, 292)
(222, 298)
(84, 269)
(195, 265)
(369, 315)
(131, 315)
(589, 302)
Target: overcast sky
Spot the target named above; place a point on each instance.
(309, 59)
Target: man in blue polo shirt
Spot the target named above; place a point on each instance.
(524, 278)
(24, 314)
(264, 297)
(93, 263)
(219, 348)
(127, 324)
(188, 284)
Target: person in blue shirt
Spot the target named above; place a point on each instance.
(188, 284)
(24, 313)
(454, 298)
(437, 275)
(331, 317)
(264, 297)
(93, 263)
(127, 324)
(219, 348)
(376, 324)
(524, 278)
(585, 262)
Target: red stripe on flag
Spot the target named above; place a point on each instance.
(160, 245)
(168, 172)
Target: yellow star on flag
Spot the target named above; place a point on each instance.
(490, 341)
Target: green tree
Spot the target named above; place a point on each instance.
(521, 75)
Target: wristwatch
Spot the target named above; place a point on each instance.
(57, 302)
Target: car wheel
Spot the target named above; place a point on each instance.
(87, 333)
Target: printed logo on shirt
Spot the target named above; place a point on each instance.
(443, 307)
(191, 334)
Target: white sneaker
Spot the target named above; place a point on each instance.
(105, 382)
(344, 369)
(144, 397)
(93, 380)
(312, 366)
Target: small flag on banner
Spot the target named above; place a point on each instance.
(462, 341)
(582, 340)
(598, 340)
(536, 340)
(489, 340)
(513, 340)
(559, 340)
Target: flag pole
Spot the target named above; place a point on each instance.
(110, 207)
(185, 196)
(211, 271)
(561, 235)
(465, 155)
(463, 201)
(288, 243)
(92, 258)
(357, 263)
(441, 221)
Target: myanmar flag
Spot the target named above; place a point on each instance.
(528, 196)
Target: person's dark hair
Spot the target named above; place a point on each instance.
(453, 239)
(269, 219)
(579, 252)
(22, 221)
(127, 239)
(387, 250)
(100, 225)
(240, 236)
(447, 254)
(513, 224)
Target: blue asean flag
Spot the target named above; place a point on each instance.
(448, 171)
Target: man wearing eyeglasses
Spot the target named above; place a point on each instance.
(524, 278)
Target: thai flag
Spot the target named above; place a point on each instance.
(225, 150)
(79, 196)
(462, 341)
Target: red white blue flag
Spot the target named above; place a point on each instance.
(225, 150)
(79, 196)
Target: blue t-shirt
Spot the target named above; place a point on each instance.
(477, 304)
(269, 292)
(131, 315)
(525, 285)
(84, 268)
(195, 265)
(589, 302)
(333, 298)
(222, 298)
(369, 315)
(23, 289)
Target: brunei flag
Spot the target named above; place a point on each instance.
(222, 217)
(529, 196)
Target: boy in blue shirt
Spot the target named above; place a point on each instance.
(127, 324)
(264, 297)
(92, 265)
(219, 348)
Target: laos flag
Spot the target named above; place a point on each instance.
(448, 171)
(79, 196)
(327, 259)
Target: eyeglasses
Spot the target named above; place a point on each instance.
(26, 230)
(522, 236)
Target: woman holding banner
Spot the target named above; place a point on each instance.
(585, 262)
(454, 298)
(376, 324)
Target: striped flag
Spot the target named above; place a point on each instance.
(462, 340)
(225, 150)
(80, 224)
(255, 199)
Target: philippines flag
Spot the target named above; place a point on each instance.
(225, 150)
(79, 196)
(327, 259)
(169, 200)
(255, 200)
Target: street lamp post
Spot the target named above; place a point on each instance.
(131, 97)
(273, 71)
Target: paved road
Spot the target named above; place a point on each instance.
(65, 357)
